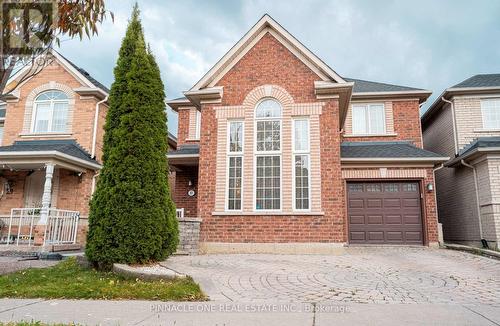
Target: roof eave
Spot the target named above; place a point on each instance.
(448, 93)
(422, 95)
(52, 154)
(471, 155)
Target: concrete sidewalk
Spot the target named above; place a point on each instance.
(90, 312)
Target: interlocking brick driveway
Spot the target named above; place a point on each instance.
(361, 275)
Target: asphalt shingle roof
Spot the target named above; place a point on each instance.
(69, 147)
(363, 86)
(486, 80)
(384, 150)
(94, 81)
(186, 150)
(481, 142)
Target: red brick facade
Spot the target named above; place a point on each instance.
(406, 124)
(269, 62)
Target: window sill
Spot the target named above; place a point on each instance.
(45, 135)
(268, 213)
(487, 130)
(192, 139)
(370, 135)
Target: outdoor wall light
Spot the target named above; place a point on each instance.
(190, 183)
(430, 187)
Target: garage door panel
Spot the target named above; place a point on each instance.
(395, 236)
(412, 219)
(357, 236)
(413, 202)
(392, 202)
(394, 219)
(374, 203)
(375, 235)
(375, 219)
(357, 219)
(385, 212)
(356, 203)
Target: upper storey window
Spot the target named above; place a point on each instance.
(268, 155)
(490, 109)
(50, 112)
(368, 119)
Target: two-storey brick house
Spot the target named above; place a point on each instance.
(51, 136)
(464, 123)
(279, 153)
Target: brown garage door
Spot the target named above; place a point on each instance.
(384, 213)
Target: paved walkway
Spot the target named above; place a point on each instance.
(361, 275)
(87, 312)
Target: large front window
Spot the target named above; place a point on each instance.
(368, 119)
(268, 155)
(235, 165)
(51, 112)
(301, 157)
(490, 109)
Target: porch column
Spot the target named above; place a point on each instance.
(47, 193)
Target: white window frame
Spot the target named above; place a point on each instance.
(2, 122)
(234, 154)
(367, 131)
(267, 153)
(483, 115)
(301, 152)
(197, 132)
(51, 114)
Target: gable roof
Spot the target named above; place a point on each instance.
(264, 25)
(91, 79)
(90, 83)
(477, 84)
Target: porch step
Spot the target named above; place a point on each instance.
(64, 247)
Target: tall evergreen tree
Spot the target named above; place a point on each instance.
(132, 217)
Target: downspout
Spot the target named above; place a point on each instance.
(455, 133)
(93, 183)
(96, 119)
(476, 186)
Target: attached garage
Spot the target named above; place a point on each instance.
(385, 213)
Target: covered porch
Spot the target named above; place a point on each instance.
(45, 187)
(184, 163)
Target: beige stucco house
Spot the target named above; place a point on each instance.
(464, 123)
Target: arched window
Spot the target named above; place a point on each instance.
(268, 155)
(50, 112)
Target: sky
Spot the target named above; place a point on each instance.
(429, 44)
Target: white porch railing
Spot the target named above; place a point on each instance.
(180, 212)
(61, 228)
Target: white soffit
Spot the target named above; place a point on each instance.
(266, 25)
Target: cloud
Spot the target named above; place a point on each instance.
(427, 44)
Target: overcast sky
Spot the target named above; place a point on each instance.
(431, 44)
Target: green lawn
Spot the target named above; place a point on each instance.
(70, 281)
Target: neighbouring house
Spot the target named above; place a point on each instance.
(464, 123)
(279, 153)
(51, 137)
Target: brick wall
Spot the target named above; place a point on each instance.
(406, 123)
(270, 63)
(18, 117)
(180, 191)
